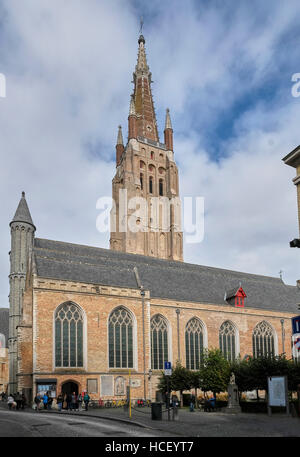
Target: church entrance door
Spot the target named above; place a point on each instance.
(69, 387)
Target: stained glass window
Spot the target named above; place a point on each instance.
(159, 342)
(227, 335)
(68, 336)
(194, 344)
(263, 340)
(120, 337)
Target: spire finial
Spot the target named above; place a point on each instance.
(142, 24)
(23, 194)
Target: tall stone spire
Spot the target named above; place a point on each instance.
(142, 96)
(147, 172)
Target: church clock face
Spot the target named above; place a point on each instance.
(149, 128)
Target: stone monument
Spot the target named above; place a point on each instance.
(233, 397)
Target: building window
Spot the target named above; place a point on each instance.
(151, 185)
(142, 181)
(263, 340)
(92, 386)
(194, 344)
(120, 331)
(68, 336)
(159, 342)
(152, 155)
(227, 336)
(161, 187)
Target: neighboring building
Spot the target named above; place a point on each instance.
(4, 370)
(88, 316)
(293, 160)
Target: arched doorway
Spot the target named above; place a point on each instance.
(69, 387)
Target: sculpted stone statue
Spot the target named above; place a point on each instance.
(232, 379)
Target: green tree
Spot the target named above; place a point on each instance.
(215, 372)
(180, 380)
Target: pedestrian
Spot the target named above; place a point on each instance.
(45, 400)
(59, 401)
(50, 401)
(37, 401)
(23, 401)
(79, 402)
(65, 404)
(74, 402)
(3, 396)
(18, 400)
(192, 403)
(69, 401)
(86, 400)
(11, 402)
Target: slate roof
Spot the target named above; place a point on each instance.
(4, 315)
(165, 279)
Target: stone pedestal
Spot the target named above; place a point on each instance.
(233, 400)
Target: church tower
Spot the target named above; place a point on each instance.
(22, 236)
(146, 218)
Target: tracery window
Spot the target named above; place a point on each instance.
(120, 334)
(159, 342)
(227, 337)
(194, 344)
(68, 336)
(263, 340)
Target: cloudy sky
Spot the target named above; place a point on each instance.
(224, 69)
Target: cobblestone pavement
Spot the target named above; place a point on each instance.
(198, 424)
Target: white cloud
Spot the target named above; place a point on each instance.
(68, 67)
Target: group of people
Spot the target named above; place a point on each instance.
(70, 402)
(16, 401)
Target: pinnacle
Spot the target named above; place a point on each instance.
(120, 136)
(168, 120)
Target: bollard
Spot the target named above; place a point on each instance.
(175, 413)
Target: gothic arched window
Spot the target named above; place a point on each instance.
(68, 336)
(151, 185)
(227, 335)
(120, 334)
(159, 342)
(193, 344)
(161, 187)
(263, 340)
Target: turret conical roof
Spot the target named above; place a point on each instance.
(23, 214)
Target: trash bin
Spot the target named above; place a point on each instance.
(156, 411)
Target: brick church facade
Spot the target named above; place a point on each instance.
(86, 318)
